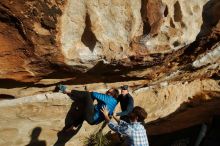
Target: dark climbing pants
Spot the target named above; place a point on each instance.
(85, 98)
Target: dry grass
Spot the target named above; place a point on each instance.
(96, 139)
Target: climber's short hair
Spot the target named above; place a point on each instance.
(113, 92)
(139, 113)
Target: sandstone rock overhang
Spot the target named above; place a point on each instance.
(77, 36)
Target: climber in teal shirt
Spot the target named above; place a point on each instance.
(92, 113)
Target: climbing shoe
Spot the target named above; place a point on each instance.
(61, 88)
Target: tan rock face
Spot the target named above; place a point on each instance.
(181, 23)
(100, 30)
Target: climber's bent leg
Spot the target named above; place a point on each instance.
(85, 98)
(89, 111)
(80, 95)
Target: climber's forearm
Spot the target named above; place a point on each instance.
(107, 119)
